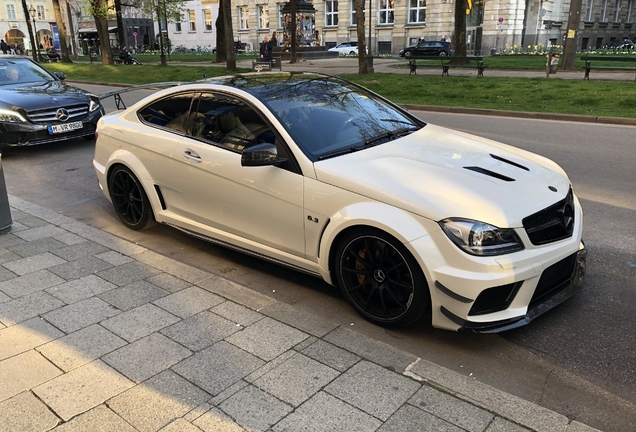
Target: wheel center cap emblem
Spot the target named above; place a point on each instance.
(61, 114)
(379, 275)
(131, 197)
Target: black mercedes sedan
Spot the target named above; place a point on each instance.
(38, 107)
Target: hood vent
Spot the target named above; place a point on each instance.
(499, 158)
(489, 173)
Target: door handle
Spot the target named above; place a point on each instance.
(191, 156)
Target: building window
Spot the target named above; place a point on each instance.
(177, 23)
(192, 17)
(11, 12)
(588, 10)
(207, 19)
(417, 11)
(280, 15)
(630, 6)
(353, 14)
(263, 17)
(243, 18)
(604, 12)
(40, 10)
(385, 11)
(331, 13)
(617, 11)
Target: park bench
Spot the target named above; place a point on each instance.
(589, 59)
(448, 62)
(261, 65)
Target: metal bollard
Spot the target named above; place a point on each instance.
(5, 210)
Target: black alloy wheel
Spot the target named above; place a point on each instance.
(408, 54)
(442, 54)
(381, 279)
(129, 199)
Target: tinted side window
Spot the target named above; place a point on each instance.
(170, 113)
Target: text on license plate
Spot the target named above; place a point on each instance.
(67, 127)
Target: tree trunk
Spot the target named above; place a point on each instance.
(459, 38)
(221, 56)
(34, 43)
(120, 24)
(101, 23)
(229, 34)
(362, 50)
(62, 33)
(294, 31)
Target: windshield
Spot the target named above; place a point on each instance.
(328, 116)
(20, 71)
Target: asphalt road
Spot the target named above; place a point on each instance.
(578, 360)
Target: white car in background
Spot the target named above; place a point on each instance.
(347, 48)
(321, 175)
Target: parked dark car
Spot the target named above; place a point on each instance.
(38, 107)
(620, 44)
(427, 49)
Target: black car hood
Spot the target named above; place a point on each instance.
(41, 95)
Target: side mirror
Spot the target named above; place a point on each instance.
(60, 76)
(260, 155)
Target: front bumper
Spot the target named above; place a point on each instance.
(29, 134)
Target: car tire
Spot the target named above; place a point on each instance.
(380, 278)
(129, 199)
(352, 53)
(408, 54)
(443, 54)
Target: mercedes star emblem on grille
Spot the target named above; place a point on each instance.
(61, 114)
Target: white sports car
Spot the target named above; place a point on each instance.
(326, 177)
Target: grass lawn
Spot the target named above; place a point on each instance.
(599, 98)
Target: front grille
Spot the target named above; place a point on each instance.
(554, 277)
(495, 299)
(553, 223)
(48, 116)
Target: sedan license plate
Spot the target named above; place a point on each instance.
(67, 127)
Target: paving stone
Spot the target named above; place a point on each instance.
(29, 306)
(82, 389)
(197, 412)
(267, 338)
(133, 295)
(26, 336)
(146, 357)
(572, 427)
(200, 331)
(331, 355)
(80, 289)
(218, 367)
(15, 381)
(4, 297)
(33, 222)
(234, 388)
(237, 293)
(69, 238)
(169, 282)
(99, 419)
(502, 425)
(373, 389)
(6, 255)
(270, 365)
(325, 413)
(6, 275)
(175, 268)
(189, 301)
(237, 313)
(8, 240)
(309, 323)
(36, 247)
(17, 227)
(81, 314)
(114, 258)
(30, 283)
(216, 420)
(39, 233)
(81, 347)
(127, 273)
(35, 210)
(180, 425)
(296, 380)
(451, 409)
(34, 263)
(18, 214)
(254, 409)
(376, 351)
(80, 268)
(103, 238)
(411, 419)
(25, 413)
(158, 401)
(140, 322)
(304, 344)
(80, 250)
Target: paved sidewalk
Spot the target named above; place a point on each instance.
(97, 333)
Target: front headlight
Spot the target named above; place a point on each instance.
(11, 116)
(93, 106)
(482, 239)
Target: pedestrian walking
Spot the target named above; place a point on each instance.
(3, 46)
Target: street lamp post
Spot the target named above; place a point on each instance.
(35, 30)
